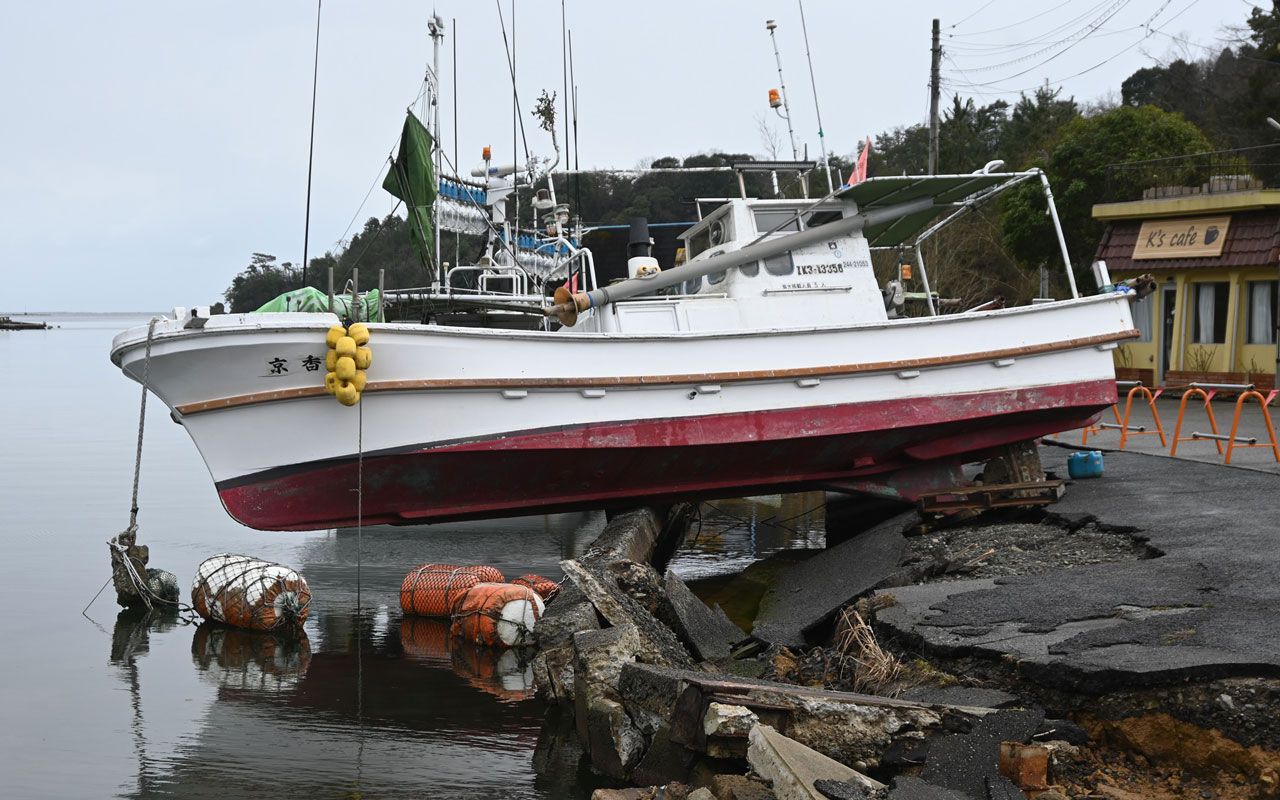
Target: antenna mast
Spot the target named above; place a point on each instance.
(785, 113)
(822, 143)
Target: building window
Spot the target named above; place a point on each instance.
(1211, 313)
(1262, 311)
(1142, 311)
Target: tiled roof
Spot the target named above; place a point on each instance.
(1253, 240)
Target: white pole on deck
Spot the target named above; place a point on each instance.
(1057, 228)
(924, 276)
(435, 27)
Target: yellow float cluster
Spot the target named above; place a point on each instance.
(346, 361)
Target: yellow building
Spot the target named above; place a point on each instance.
(1216, 260)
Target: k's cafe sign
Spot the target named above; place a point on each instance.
(1181, 238)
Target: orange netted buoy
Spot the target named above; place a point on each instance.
(545, 587)
(432, 590)
(497, 615)
(248, 592)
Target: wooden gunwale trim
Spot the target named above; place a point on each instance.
(666, 380)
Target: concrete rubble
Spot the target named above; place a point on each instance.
(791, 768)
(655, 675)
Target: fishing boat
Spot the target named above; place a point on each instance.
(771, 360)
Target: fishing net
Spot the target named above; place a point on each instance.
(545, 587)
(497, 615)
(247, 592)
(432, 590)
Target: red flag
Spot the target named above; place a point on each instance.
(860, 172)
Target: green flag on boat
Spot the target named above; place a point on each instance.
(412, 178)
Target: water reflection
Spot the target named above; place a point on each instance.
(734, 534)
(250, 660)
(505, 674)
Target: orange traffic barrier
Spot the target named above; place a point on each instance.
(1233, 439)
(497, 615)
(1096, 428)
(1206, 391)
(1249, 441)
(432, 590)
(1127, 430)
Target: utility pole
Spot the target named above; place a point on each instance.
(934, 89)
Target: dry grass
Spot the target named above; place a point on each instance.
(864, 664)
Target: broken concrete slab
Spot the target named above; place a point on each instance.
(1207, 607)
(553, 665)
(611, 739)
(628, 536)
(792, 768)
(808, 594)
(706, 631)
(852, 728)
(658, 644)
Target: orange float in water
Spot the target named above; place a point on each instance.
(545, 587)
(432, 590)
(425, 639)
(497, 615)
(248, 592)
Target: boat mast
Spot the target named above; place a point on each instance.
(435, 27)
(785, 113)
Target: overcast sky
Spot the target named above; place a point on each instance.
(147, 148)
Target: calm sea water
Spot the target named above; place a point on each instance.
(370, 704)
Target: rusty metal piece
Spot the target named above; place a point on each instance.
(984, 496)
(1027, 765)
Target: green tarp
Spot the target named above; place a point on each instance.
(413, 179)
(311, 299)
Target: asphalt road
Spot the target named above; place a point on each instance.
(1209, 606)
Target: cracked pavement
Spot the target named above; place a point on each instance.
(1208, 607)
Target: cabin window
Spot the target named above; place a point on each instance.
(1142, 317)
(698, 243)
(1211, 313)
(692, 286)
(781, 264)
(1262, 311)
(716, 277)
(769, 218)
(821, 218)
(750, 270)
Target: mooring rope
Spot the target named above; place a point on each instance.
(149, 598)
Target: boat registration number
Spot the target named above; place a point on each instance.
(819, 269)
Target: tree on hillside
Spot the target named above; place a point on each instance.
(260, 281)
(1032, 126)
(1077, 169)
(1228, 94)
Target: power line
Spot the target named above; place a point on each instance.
(1074, 39)
(982, 8)
(993, 85)
(1014, 24)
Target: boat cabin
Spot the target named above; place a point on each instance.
(830, 283)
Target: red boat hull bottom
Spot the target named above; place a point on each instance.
(623, 463)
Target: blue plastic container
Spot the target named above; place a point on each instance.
(1085, 464)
